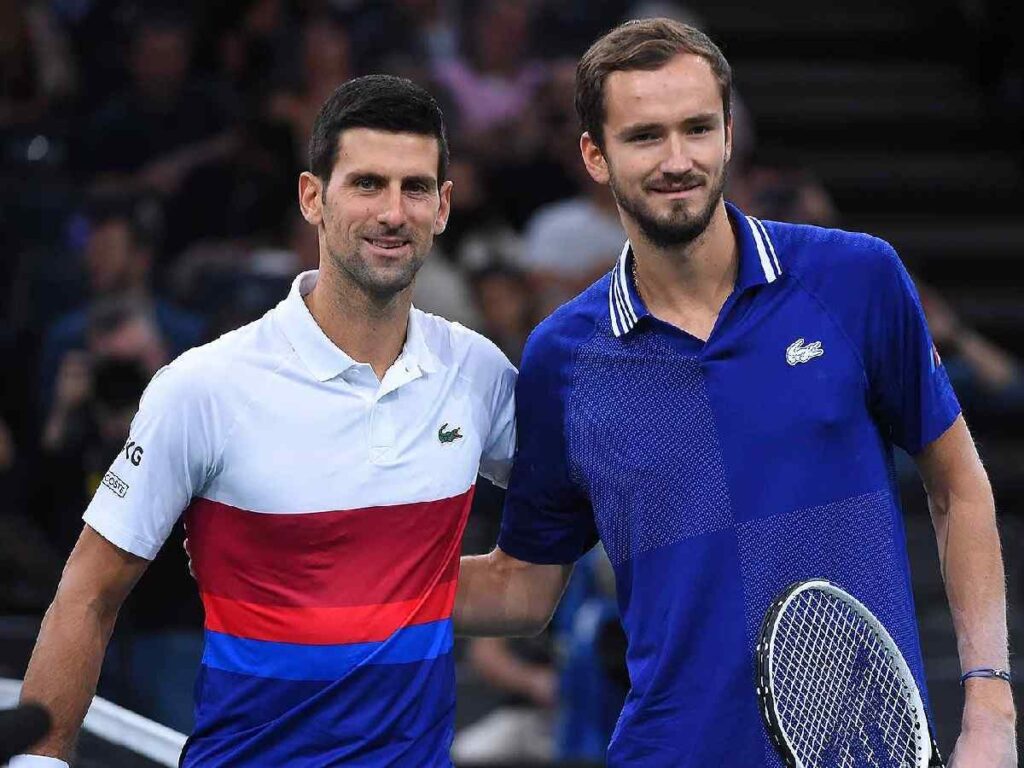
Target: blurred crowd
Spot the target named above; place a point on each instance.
(149, 155)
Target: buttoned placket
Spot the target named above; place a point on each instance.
(381, 400)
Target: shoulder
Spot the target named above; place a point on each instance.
(456, 345)
(555, 340)
(214, 371)
(830, 261)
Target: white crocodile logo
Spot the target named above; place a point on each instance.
(797, 353)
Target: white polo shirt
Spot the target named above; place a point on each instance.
(274, 417)
(324, 510)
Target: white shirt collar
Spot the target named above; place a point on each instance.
(322, 356)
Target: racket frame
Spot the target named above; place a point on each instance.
(927, 753)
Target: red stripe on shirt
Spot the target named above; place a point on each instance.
(356, 557)
(326, 626)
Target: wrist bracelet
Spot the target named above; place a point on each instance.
(998, 674)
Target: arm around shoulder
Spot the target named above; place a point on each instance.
(501, 595)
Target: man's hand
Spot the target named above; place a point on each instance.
(985, 746)
(988, 733)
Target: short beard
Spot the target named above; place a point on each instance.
(676, 231)
(381, 289)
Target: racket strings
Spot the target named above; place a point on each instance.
(861, 715)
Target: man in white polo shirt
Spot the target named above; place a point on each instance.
(324, 458)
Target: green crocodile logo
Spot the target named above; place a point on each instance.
(448, 437)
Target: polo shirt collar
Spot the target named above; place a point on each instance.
(759, 265)
(321, 356)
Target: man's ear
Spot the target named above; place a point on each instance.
(593, 159)
(311, 198)
(728, 140)
(444, 211)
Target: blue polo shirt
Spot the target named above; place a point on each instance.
(716, 473)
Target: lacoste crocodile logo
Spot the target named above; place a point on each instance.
(450, 436)
(797, 353)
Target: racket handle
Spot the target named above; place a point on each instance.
(936, 761)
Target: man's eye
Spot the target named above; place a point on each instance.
(366, 183)
(640, 137)
(700, 130)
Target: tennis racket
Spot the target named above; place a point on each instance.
(835, 690)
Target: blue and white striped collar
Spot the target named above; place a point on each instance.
(759, 265)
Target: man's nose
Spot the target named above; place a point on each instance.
(679, 159)
(392, 213)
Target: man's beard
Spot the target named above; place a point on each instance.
(680, 228)
(382, 285)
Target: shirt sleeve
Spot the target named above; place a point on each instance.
(167, 459)
(547, 517)
(500, 446)
(910, 389)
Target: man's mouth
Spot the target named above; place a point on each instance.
(668, 189)
(387, 243)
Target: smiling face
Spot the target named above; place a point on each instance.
(666, 148)
(380, 209)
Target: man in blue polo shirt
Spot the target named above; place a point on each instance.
(720, 411)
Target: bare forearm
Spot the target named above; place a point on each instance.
(64, 669)
(498, 595)
(972, 565)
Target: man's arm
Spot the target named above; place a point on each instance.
(500, 595)
(66, 661)
(963, 514)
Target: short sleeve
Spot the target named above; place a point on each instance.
(500, 445)
(910, 391)
(547, 518)
(167, 460)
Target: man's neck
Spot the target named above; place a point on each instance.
(687, 286)
(366, 329)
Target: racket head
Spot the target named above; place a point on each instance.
(776, 694)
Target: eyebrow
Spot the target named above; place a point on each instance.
(700, 119)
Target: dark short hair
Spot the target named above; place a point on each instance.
(380, 102)
(645, 44)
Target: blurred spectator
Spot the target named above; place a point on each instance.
(985, 376)
(476, 236)
(494, 80)
(568, 27)
(153, 137)
(254, 186)
(571, 243)
(324, 64)
(507, 304)
(550, 169)
(563, 690)
(29, 564)
(234, 282)
(118, 256)
(783, 194)
(95, 398)
(413, 30)
(36, 69)
(250, 37)
(593, 679)
(478, 233)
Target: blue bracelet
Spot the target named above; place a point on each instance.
(998, 674)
